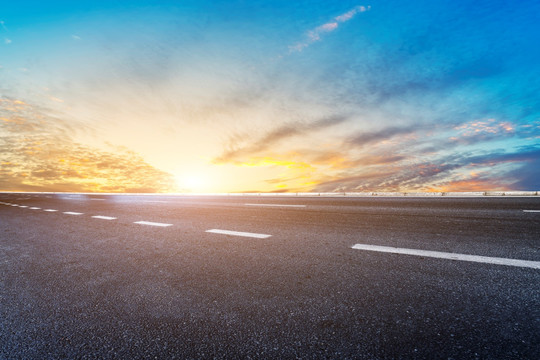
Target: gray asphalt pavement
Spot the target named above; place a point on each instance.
(138, 277)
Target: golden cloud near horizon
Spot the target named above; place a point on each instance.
(39, 154)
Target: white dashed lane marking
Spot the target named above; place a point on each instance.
(532, 211)
(72, 213)
(450, 256)
(23, 206)
(151, 223)
(277, 205)
(50, 210)
(238, 233)
(97, 199)
(104, 217)
(34, 208)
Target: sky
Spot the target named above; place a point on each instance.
(269, 96)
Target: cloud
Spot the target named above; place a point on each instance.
(492, 170)
(40, 155)
(474, 183)
(351, 13)
(483, 130)
(528, 177)
(3, 24)
(367, 138)
(314, 35)
(388, 177)
(7, 41)
(273, 137)
(75, 37)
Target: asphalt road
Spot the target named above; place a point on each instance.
(137, 277)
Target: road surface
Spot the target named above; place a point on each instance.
(103, 276)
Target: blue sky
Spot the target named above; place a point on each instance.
(270, 96)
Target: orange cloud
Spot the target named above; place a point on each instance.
(469, 185)
(489, 126)
(40, 155)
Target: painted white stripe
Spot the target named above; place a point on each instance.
(14, 204)
(97, 199)
(50, 210)
(277, 205)
(533, 211)
(23, 206)
(151, 223)
(238, 233)
(104, 217)
(450, 256)
(72, 213)
(34, 208)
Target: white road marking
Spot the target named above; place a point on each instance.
(14, 204)
(533, 211)
(34, 208)
(72, 213)
(151, 223)
(23, 206)
(238, 233)
(104, 217)
(277, 205)
(50, 210)
(450, 256)
(97, 199)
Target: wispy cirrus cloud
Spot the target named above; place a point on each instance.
(237, 153)
(365, 138)
(315, 34)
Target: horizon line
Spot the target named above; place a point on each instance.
(515, 193)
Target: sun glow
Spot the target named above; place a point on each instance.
(192, 182)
